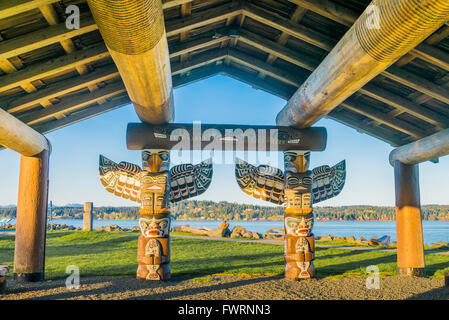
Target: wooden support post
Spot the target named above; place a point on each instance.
(408, 220)
(446, 279)
(299, 249)
(29, 253)
(88, 216)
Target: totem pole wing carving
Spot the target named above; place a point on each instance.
(262, 182)
(328, 182)
(189, 180)
(121, 179)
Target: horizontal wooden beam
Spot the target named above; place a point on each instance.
(378, 116)
(72, 103)
(419, 84)
(285, 25)
(272, 86)
(9, 8)
(167, 4)
(83, 114)
(196, 44)
(426, 149)
(329, 10)
(17, 136)
(358, 125)
(405, 105)
(195, 75)
(59, 88)
(199, 60)
(52, 66)
(261, 66)
(43, 37)
(202, 18)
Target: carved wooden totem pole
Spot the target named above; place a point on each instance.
(298, 189)
(154, 186)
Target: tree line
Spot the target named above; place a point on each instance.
(223, 210)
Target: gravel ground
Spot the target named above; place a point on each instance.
(231, 287)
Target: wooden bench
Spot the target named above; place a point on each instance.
(3, 271)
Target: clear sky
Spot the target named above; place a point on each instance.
(74, 174)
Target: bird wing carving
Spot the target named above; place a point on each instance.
(187, 180)
(121, 179)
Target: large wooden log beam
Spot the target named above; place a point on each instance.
(310, 63)
(408, 220)
(426, 149)
(134, 33)
(362, 54)
(16, 135)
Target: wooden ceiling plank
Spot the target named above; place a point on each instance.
(199, 60)
(53, 66)
(9, 8)
(81, 115)
(60, 88)
(202, 18)
(264, 67)
(372, 113)
(72, 103)
(43, 37)
(330, 10)
(357, 125)
(297, 15)
(167, 4)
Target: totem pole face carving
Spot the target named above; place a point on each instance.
(154, 228)
(299, 226)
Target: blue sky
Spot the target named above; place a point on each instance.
(74, 161)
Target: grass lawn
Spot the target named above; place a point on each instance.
(115, 253)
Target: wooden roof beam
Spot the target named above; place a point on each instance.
(53, 66)
(426, 149)
(195, 75)
(357, 125)
(83, 114)
(60, 88)
(202, 18)
(330, 10)
(356, 60)
(72, 103)
(43, 37)
(16, 135)
(199, 60)
(9, 8)
(378, 116)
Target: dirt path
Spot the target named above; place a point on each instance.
(231, 287)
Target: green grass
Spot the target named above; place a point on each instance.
(114, 253)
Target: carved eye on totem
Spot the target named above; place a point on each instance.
(161, 179)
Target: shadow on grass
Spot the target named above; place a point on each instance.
(340, 268)
(431, 269)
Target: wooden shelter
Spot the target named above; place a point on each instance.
(52, 76)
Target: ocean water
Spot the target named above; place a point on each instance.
(434, 231)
